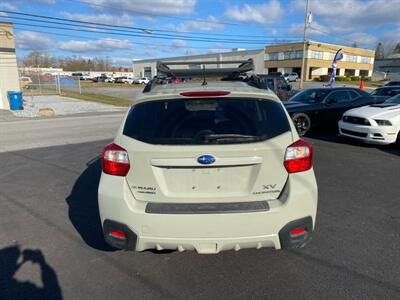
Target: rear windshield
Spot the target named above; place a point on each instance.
(206, 121)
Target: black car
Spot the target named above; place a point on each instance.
(324, 106)
(390, 83)
(386, 92)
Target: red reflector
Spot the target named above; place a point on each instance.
(297, 231)
(118, 234)
(205, 94)
(115, 160)
(298, 157)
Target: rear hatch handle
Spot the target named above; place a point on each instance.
(219, 162)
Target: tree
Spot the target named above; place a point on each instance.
(354, 45)
(396, 49)
(379, 51)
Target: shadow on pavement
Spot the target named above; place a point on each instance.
(331, 135)
(11, 260)
(84, 209)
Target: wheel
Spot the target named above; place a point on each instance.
(302, 123)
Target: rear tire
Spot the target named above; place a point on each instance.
(302, 123)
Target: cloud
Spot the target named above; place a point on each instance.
(178, 44)
(7, 6)
(29, 40)
(148, 7)
(269, 12)
(97, 46)
(208, 24)
(349, 15)
(362, 39)
(123, 20)
(122, 61)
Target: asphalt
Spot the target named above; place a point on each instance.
(51, 244)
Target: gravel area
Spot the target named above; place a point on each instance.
(62, 106)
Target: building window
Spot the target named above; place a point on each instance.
(292, 54)
(194, 66)
(364, 73)
(365, 60)
(349, 72)
(317, 54)
(273, 56)
(351, 58)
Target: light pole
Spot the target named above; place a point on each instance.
(303, 61)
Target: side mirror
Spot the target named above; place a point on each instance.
(331, 101)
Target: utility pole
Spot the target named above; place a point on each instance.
(303, 61)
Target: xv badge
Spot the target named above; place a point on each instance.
(269, 186)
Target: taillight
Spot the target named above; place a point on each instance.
(115, 160)
(205, 93)
(298, 157)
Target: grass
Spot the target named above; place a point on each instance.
(90, 84)
(99, 98)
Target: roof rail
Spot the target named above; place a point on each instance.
(231, 73)
(243, 67)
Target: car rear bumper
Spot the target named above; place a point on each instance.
(211, 232)
(369, 134)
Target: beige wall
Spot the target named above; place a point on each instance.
(9, 78)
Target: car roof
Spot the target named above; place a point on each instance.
(235, 89)
(389, 87)
(333, 88)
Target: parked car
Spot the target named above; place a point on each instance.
(386, 92)
(121, 79)
(25, 81)
(275, 83)
(290, 77)
(110, 80)
(101, 78)
(324, 106)
(141, 80)
(207, 168)
(391, 83)
(377, 123)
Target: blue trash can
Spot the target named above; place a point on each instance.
(15, 100)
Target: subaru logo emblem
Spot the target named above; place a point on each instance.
(206, 159)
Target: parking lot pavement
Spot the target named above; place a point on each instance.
(50, 235)
(26, 134)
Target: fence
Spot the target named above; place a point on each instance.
(36, 84)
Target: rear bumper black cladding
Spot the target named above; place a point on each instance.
(299, 240)
(127, 243)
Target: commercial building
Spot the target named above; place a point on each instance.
(389, 65)
(284, 58)
(9, 79)
(287, 58)
(147, 67)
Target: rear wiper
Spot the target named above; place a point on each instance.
(230, 137)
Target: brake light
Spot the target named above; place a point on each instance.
(115, 160)
(205, 94)
(298, 157)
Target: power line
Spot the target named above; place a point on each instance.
(139, 33)
(132, 42)
(140, 29)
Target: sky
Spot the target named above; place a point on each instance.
(165, 28)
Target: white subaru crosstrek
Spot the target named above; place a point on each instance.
(207, 168)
